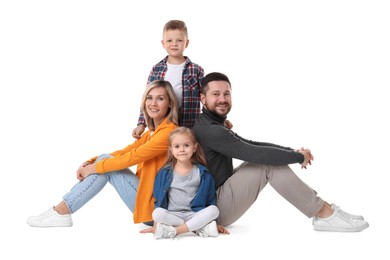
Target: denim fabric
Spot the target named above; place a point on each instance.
(124, 181)
(204, 197)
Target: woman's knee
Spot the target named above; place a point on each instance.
(103, 156)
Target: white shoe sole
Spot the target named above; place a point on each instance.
(341, 229)
(51, 225)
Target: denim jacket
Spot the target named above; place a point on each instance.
(204, 197)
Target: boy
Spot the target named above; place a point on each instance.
(180, 71)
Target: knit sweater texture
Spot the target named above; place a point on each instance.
(221, 145)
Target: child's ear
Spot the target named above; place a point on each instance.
(187, 42)
(195, 147)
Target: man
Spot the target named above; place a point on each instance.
(238, 189)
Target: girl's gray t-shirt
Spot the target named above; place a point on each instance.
(183, 190)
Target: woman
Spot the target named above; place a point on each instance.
(148, 153)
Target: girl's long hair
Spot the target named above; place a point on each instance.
(197, 157)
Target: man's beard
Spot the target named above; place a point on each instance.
(215, 110)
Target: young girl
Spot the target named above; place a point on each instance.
(184, 190)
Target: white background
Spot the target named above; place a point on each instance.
(303, 73)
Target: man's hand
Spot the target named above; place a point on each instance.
(308, 157)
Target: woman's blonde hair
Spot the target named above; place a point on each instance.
(197, 157)
(172, 114)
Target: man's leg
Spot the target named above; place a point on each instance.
(294, 190)
(241, 190)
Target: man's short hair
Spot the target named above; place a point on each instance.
(213, 76)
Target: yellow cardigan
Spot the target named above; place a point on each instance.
(149, 154)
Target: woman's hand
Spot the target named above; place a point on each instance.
(85, 170)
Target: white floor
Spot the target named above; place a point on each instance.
(271, 230)
(304, 73)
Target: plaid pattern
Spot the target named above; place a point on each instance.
(192, 75)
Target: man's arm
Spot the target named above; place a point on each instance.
(226, 142)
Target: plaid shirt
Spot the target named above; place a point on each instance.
(191, 77)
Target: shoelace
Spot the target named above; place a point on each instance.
(344, 215)
(335, 207)
(172, 235)
(47, 213)
(201, 233)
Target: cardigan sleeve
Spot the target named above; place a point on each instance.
(145, 149)
(130, 147)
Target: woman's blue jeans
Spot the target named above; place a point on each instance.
(124, 181)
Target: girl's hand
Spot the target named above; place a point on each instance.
(222, 230)
(147, 230)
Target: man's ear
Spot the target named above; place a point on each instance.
(202, 98)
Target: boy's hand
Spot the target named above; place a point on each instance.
(228, 124)
(137, 132)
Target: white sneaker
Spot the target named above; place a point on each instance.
(50, 218)
(359, 217)
(339, 221)
(210, 230)
(164, 231)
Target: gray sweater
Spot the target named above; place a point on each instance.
(221, 145)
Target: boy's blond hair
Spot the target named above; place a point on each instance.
(176, 25)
